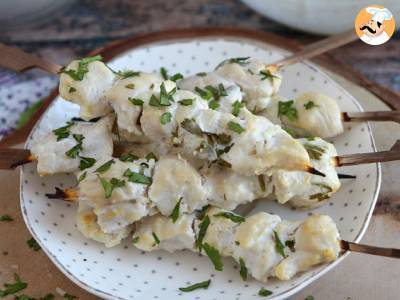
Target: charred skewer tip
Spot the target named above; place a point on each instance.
(30, 158)
(67, 194)
(346, 176)
(314, 171)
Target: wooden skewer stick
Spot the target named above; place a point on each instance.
(20, 61)
(366, 158)
(393, 116)
(315, 49)
(355, 247)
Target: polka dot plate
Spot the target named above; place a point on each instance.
(123, 272)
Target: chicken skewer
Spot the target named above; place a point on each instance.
(263, 244)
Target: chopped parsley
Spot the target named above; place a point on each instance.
(165, 76)
(6, 218)
(214, 256)
(83, 68)
(86, 162)
(136, 101)
(243, 269)
(130, 86)
(315, 152)
(201, 74)
(287, 109)
(235, 127)
(279, 246)
(12, 288)
(206, 94)
(127, 74)
(107, 186)
(165, 118)
(105, 167)
(233, 217)
(237, 243)
(82, 177)
(156, 239)
(175, 212)
(186, 102)
(33, 244)
(213, 104)
(264, 292)
(261, 182)
(200, 285)
(115, 182)
(191, 126)
(202, 232)
(135, 240)
(320, 196)
(212, 92)
(164, 99)
(137, 177)
(72, 90)
(267, 75)
(236, 107)
(128, 157)
(74, 151)
(309, 297)
(242, 61)
(289, 131)
(310, 104)
(63, 132)
(151, 155)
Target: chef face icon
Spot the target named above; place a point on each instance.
(375, 25)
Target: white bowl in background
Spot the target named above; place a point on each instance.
(318, 16)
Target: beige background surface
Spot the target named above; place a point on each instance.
(358, 277)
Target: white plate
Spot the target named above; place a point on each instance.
(126, 273)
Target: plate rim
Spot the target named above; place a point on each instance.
(156, 39)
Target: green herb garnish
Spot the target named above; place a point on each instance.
(261, 182)
(176, 77)
(137, 177)
(186, 102)
(107, 186)
(200, 285)
(130, 86)
(320, 196)
(243, 269)
(63, 132)
(202, 232)
(206, 94)
(156, 239)
(12, 288)
(214, 256)
(136, 101)
(78, 137)
(242, 61)
(213, 104)
(287, 109)
(290, 244)
(6, 218)
(164, 99)
(33, 244)
(310, 104)
(83, 68)
(165, 118)
(105, 167)
(310, 297)
(175, 212)
(127, 74)
(235, 127)
(135, 240)
(151, 155)
(86, 162)
(164, 73)
(267, 75)
(315, 152)
(233, 217)
(279, 246)
(201, 74)
(191, 126)
(74, 151)
(82, 177)
(128, 157)
(264, 292)
(115, 182)
(236, 107)
(237, 243)
(72, 90)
